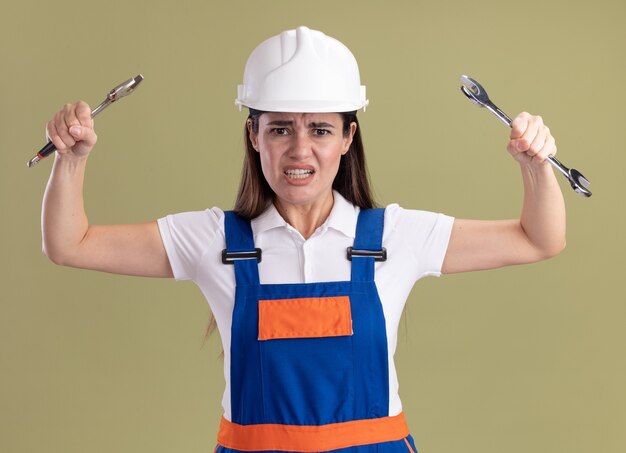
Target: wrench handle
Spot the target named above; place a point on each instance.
(493, 108)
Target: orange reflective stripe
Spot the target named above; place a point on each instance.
(308, 317)
(408, 445)
(311, 438)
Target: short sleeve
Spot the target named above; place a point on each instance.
(421, 237)
(187, 236)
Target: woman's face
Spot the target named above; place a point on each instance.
(300, 153)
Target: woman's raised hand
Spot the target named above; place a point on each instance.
(530, 140)
(71, 130)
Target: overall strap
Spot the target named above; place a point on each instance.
(367, 244)
(240, 250)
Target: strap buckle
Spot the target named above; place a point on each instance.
(378, 255)
(231, 257)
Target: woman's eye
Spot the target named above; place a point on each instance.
(322, 132)
(279, 131)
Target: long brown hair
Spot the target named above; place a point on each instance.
(255, 195)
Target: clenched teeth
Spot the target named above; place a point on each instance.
(299, 173)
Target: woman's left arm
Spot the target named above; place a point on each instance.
(539, 233)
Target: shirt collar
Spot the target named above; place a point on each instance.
(342, 217)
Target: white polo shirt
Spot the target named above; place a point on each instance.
(416, 243)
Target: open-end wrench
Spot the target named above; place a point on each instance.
(123, 89)
(477, 94)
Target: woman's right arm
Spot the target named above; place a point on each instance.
(68, 238)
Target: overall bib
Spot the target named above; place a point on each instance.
(309, 363)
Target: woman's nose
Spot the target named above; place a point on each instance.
(301, 146)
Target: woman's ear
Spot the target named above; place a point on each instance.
(348, 137)
(254, 139)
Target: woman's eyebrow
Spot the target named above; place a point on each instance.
(282, 123)
(320, 125)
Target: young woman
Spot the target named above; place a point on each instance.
(305, 279)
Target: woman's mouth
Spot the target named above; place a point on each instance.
(299, 173)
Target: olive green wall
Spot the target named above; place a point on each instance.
(520, 359)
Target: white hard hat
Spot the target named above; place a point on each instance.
(301, 70)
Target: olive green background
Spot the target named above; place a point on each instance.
(527, 358)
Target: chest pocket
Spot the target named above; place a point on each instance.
(307, 367)
(309, 317)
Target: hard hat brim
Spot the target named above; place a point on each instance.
(303, 106)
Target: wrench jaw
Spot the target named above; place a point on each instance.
(470, 96)
(579, 183)
(124, 88)
(474, 92)
(478, 96)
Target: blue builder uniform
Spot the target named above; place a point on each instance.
(308, 335)
(309, 362)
